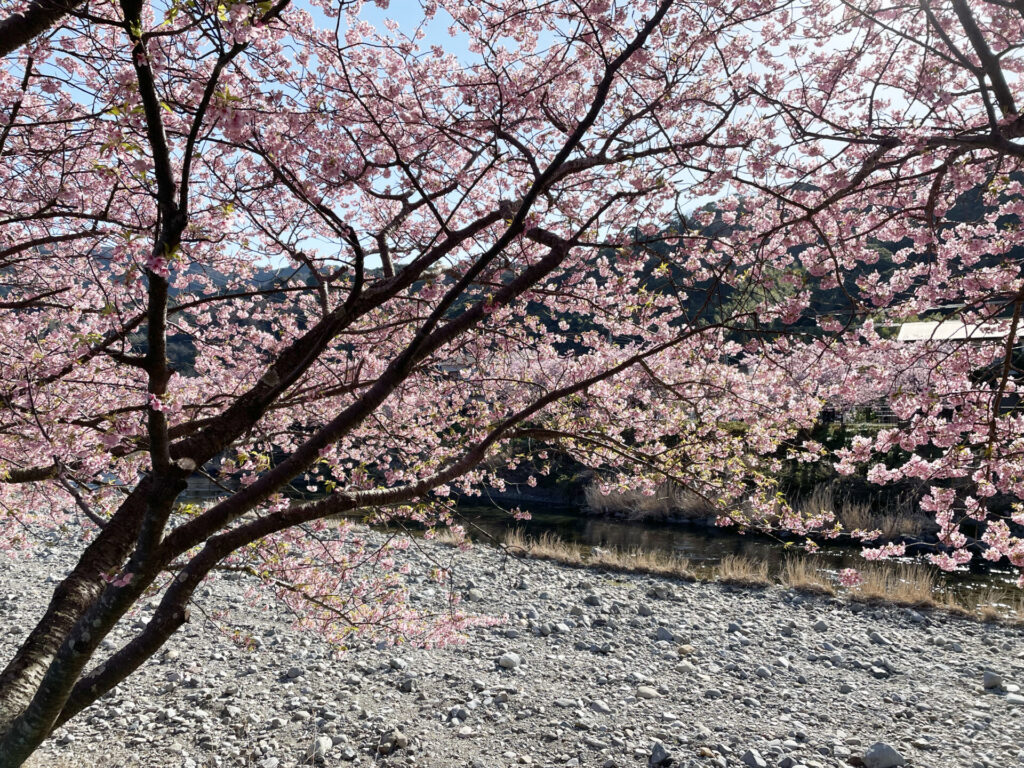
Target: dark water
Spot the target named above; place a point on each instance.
(698, 544)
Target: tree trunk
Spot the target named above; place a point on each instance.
(79, 590)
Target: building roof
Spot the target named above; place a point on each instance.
(950, 330)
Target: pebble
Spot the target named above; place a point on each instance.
(392, 740)
(659, 756)
(510, 660)
(881, 755)
(319, 748)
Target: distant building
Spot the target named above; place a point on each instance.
(957, 330)
(950, 330)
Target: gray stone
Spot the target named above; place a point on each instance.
(646, 692)
(319, 748)
(753, 759)
(820, 625)
(881, 755)
(992, 680)
(510, 660)
(666, 634)
(408, 685)
(659, 756)
(599, 705)
(392, 740)
(875, 637)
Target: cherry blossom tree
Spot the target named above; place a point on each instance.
(906, 134)
(283, 245)
(434, 227)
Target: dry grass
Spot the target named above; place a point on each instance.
(950, 602)
(803, 574)
(1015, 608)
(550, 547)
(917, 586)
(743, 571)
(901, 583)
(637, 505)
(904, 584)
(638, 561)
(546, 547)
(996, 605)
(668, 500)
(898, 518)
(445, 535)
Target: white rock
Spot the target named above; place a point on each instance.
(881, 755)
(599, 705)
(510, 660)
(320, 747)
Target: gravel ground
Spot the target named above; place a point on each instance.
(590, 669)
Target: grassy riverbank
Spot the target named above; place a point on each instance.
(911, 585)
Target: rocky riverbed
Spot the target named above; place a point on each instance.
(590, 669)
